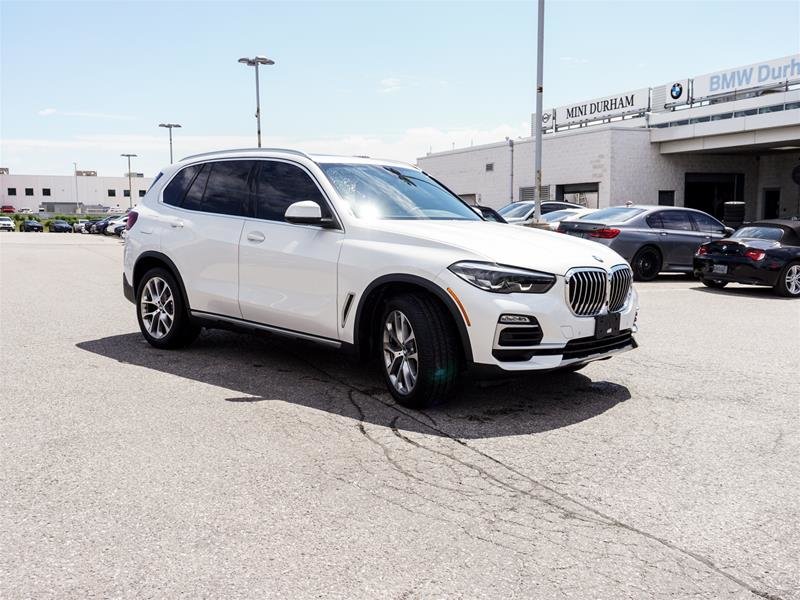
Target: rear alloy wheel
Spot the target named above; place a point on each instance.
(788, 283)
(163, 318)
(646, 264)
(714, 283)
(419, 350)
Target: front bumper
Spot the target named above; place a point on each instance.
(565, 337)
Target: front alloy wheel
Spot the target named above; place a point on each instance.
(418, 342)
(400, 352)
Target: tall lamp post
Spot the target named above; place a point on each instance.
(169, 126)
(75, 171)
(537, 194)
(130, 184)
(254, 62)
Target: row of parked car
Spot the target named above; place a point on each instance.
(657, 239)
(111, 225)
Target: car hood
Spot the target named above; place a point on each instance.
(525, 247)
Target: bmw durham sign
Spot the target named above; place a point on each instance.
(758, 75)
(676, 91)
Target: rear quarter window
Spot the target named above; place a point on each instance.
(176, 189)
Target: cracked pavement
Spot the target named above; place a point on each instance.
(252, 466)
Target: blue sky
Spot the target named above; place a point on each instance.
(85, 81)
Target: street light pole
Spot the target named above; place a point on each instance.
(75, 171)
(254, 62)
(130, 184)
(537, 193)
(169, 126)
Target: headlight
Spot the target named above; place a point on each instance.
(502, 279)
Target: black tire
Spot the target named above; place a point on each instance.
(714, 284)
(183, 330)
(782, 285)
(436, 347)
(646, 264)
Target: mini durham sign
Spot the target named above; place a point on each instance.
(603, 108)
(764, 74)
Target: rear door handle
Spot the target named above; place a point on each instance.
(663, 233)
(256, 236)
(177, 223)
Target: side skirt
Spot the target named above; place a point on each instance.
(212, 319)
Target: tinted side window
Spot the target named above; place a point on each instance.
(194, 196)
(176, 189)
(676, 220)
(227, 191)
(280, 184)
(707, 223)
(654, 220)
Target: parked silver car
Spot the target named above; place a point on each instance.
(651, 238)
(521, 213)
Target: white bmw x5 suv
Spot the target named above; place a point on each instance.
(371, 256)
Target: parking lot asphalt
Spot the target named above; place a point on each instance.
(252, 466)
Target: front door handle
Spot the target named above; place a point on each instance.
(256, 236)
(177, 224)
(663, 233)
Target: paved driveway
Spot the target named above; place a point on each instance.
(249, 466)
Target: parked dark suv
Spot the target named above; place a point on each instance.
(651, 238)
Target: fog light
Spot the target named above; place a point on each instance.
(514, 319)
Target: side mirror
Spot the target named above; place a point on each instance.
(306, 212)
(729, 231)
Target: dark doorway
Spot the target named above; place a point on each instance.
(585, 194)
(710, 191)
(772, 200)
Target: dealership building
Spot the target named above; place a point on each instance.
(82, 193)
(723, 142)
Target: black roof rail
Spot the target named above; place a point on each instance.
(236, 150)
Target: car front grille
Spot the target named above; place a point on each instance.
(621, 279)
(589, 289)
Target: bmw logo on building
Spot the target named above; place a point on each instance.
(676, 91)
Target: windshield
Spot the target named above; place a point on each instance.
(389, 192)
(615, 214)
(759, 233)
(558, 215)
(516, 210)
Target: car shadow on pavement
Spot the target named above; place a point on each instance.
(259, 368)
(744, 291)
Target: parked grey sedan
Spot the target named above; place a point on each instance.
(651, 238)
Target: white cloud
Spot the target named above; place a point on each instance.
(390, 84)
(48, 112)
(101, 152)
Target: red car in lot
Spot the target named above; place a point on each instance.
(7, 208)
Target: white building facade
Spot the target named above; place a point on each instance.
(65, 194)
(707, 142)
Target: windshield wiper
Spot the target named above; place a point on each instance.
(400, 176)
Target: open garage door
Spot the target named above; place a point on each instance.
(585, 194)
(710, 191)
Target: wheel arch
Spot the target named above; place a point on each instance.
(381, 288)
(152, 259)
